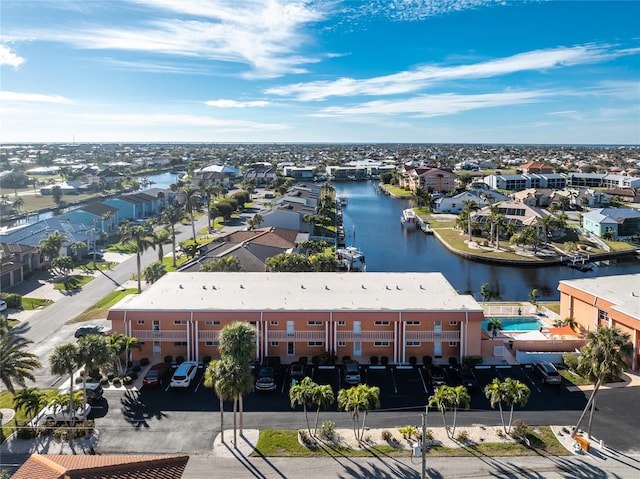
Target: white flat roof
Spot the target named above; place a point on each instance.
(622, 290)
(299, 292)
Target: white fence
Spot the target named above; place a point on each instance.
(509, 310)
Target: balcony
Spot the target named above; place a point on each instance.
(147, 335)
(431, 336)
(365, 336)
(296, 336)
(208, 335)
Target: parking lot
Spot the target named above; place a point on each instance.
(173, 420)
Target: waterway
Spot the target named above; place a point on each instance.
(372, 223)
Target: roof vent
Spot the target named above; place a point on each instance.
(204, 286)
(241, 287)
(421, 287)
(180, 286)
(387, 286)
(397, 287)
(364, 287)
(302, 286)
(326, 287)
(214, 287)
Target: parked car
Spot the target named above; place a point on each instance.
(297, 372)
(3, 305)
(94, 391)
(89, 255)
(266, 379)
(547, 372)
(468, 379)
(56, 414)
(184, 374)
(92, 329)
(156, 375)
(438, 376)
(352, 372)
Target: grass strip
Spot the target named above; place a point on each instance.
(29, 304)
(101, 308)
(74, 282)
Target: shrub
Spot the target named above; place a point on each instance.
(463, 436)
(13, 300)
(327, 430)
(179, 360)
(110, 376)
(136, 368)
(78, 380)
(306, 438)
(27, 432)
(116, 381)
(429, 435)
(104, 380)
(471, 360)
(413, 360)
(384, 360)
(374, 360)
(499, 433)
(133, 375)
(408, 432)
(386, 435)
(206, 360)
(570, 360)
(127, 380)
(168, 359)
(519, 430)
(144, 362)
(427, 360)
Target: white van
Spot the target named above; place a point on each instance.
(184, 375)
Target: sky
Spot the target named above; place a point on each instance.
(324, 71)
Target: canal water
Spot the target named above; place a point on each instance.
(372, 224)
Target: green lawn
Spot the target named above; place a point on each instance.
(284, 443)
(29, 304)
(74, 282)
(168, 262)
(126, 248)
(87, 265)
(397, 191)
(101, 308)
(6, 401)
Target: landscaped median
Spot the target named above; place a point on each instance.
(466, 441)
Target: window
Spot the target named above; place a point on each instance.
(212, 343)
(453, 323)
(381, 323)
(273, 323)
(412, 323)
(315, 344)
(140, 321)
(413, 344)
(381, 344)
(342, 344)
(342, 323)
(180, 343)
(177, 321)
(212, 323)
(291, 349)
(314, 323)
(453, 344)
(603, 315)
(275, 343)
(156, 325)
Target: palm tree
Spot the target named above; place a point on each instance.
(495, 394)
(18, 203)
(356, 400)
(161, 238)
(301, 394)
(571, 322)
(459, 399)
(51, 245)
(64, 360)
(495, 326)
(16, 364)
(446, 397)
(485, 292)
(154, 272)
(141, 237)
(322, 396)
(514, 392)
(208, 190)
(257, 220)
(191, 195)
(170, 217)
(30, 400)
(545, 222)
(441, 399)
(600, 359)
(217, 376)
(93, 353)
(469, 206)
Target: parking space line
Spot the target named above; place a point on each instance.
(424, 384)
(199, 383)
(530, 379)
(395, 385)
(498, 374)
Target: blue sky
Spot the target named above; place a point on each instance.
(423, 71)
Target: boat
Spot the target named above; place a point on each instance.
(351, 258)
(409, 219)
(580, 262)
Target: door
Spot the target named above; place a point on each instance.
(290, 328)
(437, 349)
(157, 349)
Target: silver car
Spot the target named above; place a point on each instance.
(547, 372)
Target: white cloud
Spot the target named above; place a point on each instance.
(418, 78)
(426, 106)
(7, 57)
(236, 104)
(10, 96)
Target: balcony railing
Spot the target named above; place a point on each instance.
(296, 336)
(146, 335)
(365, 336)
(431, 336)
(208, 335)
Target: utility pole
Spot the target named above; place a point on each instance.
(423, 449)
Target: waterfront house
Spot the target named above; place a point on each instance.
(431, 179)
(614, 222)
(94, 215)
(134, 206)
(17, 262)
(456, 204)
(288, 215)
(33, 233)
(321, 315)
(612, 301)
(299, 172)
(517, 214)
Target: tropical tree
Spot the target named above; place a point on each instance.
(63, 264)
(142, 239)
(208, 190)
(485, 292)
(571, 322)
(77, 245)
(602, 359)
(495, 394)
(161, 238)
(93, 353)
(18, 203)
(533, 296)
(56, 193)
(421, 197)
(170, 217)
(256, 220)
(322, 396)
(357, 400)
(64, 360)
(469, 206)
(546, 222)
(51, 245)
(120, 347)
(514, 392)
(441, 399)
(154, 272)
(191, 196)
(301, 394)
(288, 262)
(16, 363)
(495, 326)
(228, 263)
(29, 400)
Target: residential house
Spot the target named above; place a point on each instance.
(165, 197)
(33, 233)
(517, 214)
(535, 167)
(431, 179)
(539, 197)
(134, 206)
(342, 172)
(612, 301)
(95, 215)
(262, 174)
(456, 204)
(288, 215)
(299, 172)
(17, 262)
(396, 315)
(628, 195)
(613, 222)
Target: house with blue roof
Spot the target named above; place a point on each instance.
(103, 217)
(612, 222)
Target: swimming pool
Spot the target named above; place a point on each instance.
(517, 323)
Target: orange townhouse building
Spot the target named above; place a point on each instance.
(605, 301)
(360, 315)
